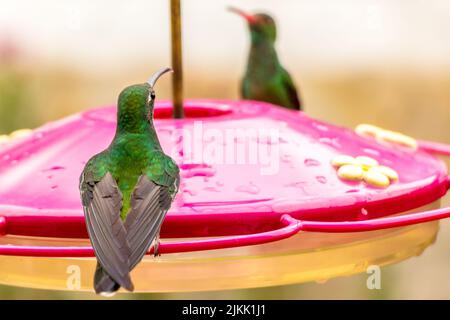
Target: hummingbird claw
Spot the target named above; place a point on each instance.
(156, 247)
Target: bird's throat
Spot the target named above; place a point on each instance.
(263, 59)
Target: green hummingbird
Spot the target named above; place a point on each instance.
(127, 189)
(265, 78)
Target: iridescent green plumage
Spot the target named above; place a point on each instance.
(127, 190)
(265, 78)
(135, 149)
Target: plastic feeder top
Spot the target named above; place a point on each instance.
(252, 173)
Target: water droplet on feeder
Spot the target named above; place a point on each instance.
(197, 170)
(321, 179)
(364, 212)
(190, 192)
(320, 126)
(211, 189)
(54, 168)
(176, 138)
(372, 152)
(330, 141)
(299, 184)
(311, 162)
(250, 188)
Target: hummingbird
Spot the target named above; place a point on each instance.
(127, 189)
(265, 78)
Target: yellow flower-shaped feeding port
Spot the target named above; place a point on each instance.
(386, 136)
(4, 138)
(363, 168)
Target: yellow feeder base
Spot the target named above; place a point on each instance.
(302, 258)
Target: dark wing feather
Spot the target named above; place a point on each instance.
(245, 92)
(102, 203)
(291, 91)
(149, 205)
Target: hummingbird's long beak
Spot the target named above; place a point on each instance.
(250, 18)
(152, 80)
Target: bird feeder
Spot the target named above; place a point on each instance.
(268, 196)
(242, 224)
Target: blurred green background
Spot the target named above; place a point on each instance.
(381, 62)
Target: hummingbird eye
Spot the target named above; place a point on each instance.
(151, 97)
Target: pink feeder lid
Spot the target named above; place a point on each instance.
(292, 172)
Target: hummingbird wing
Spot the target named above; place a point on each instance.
(102, 202)
(291, 91)
(149, 205)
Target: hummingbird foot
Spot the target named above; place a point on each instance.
(156, 247)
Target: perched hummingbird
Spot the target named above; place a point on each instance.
(265, 78)
(127, 189)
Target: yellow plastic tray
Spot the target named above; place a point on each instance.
(305, 257)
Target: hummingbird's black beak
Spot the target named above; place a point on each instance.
(248, 17)
(152, 80)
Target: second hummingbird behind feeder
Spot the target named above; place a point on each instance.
(127, 189)
(265, 78)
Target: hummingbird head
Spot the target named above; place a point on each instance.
(152, 81)
(136, 103)
(260, 24)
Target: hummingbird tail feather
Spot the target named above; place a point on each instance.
(105, 285)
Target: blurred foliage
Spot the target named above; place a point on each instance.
(15, 111)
